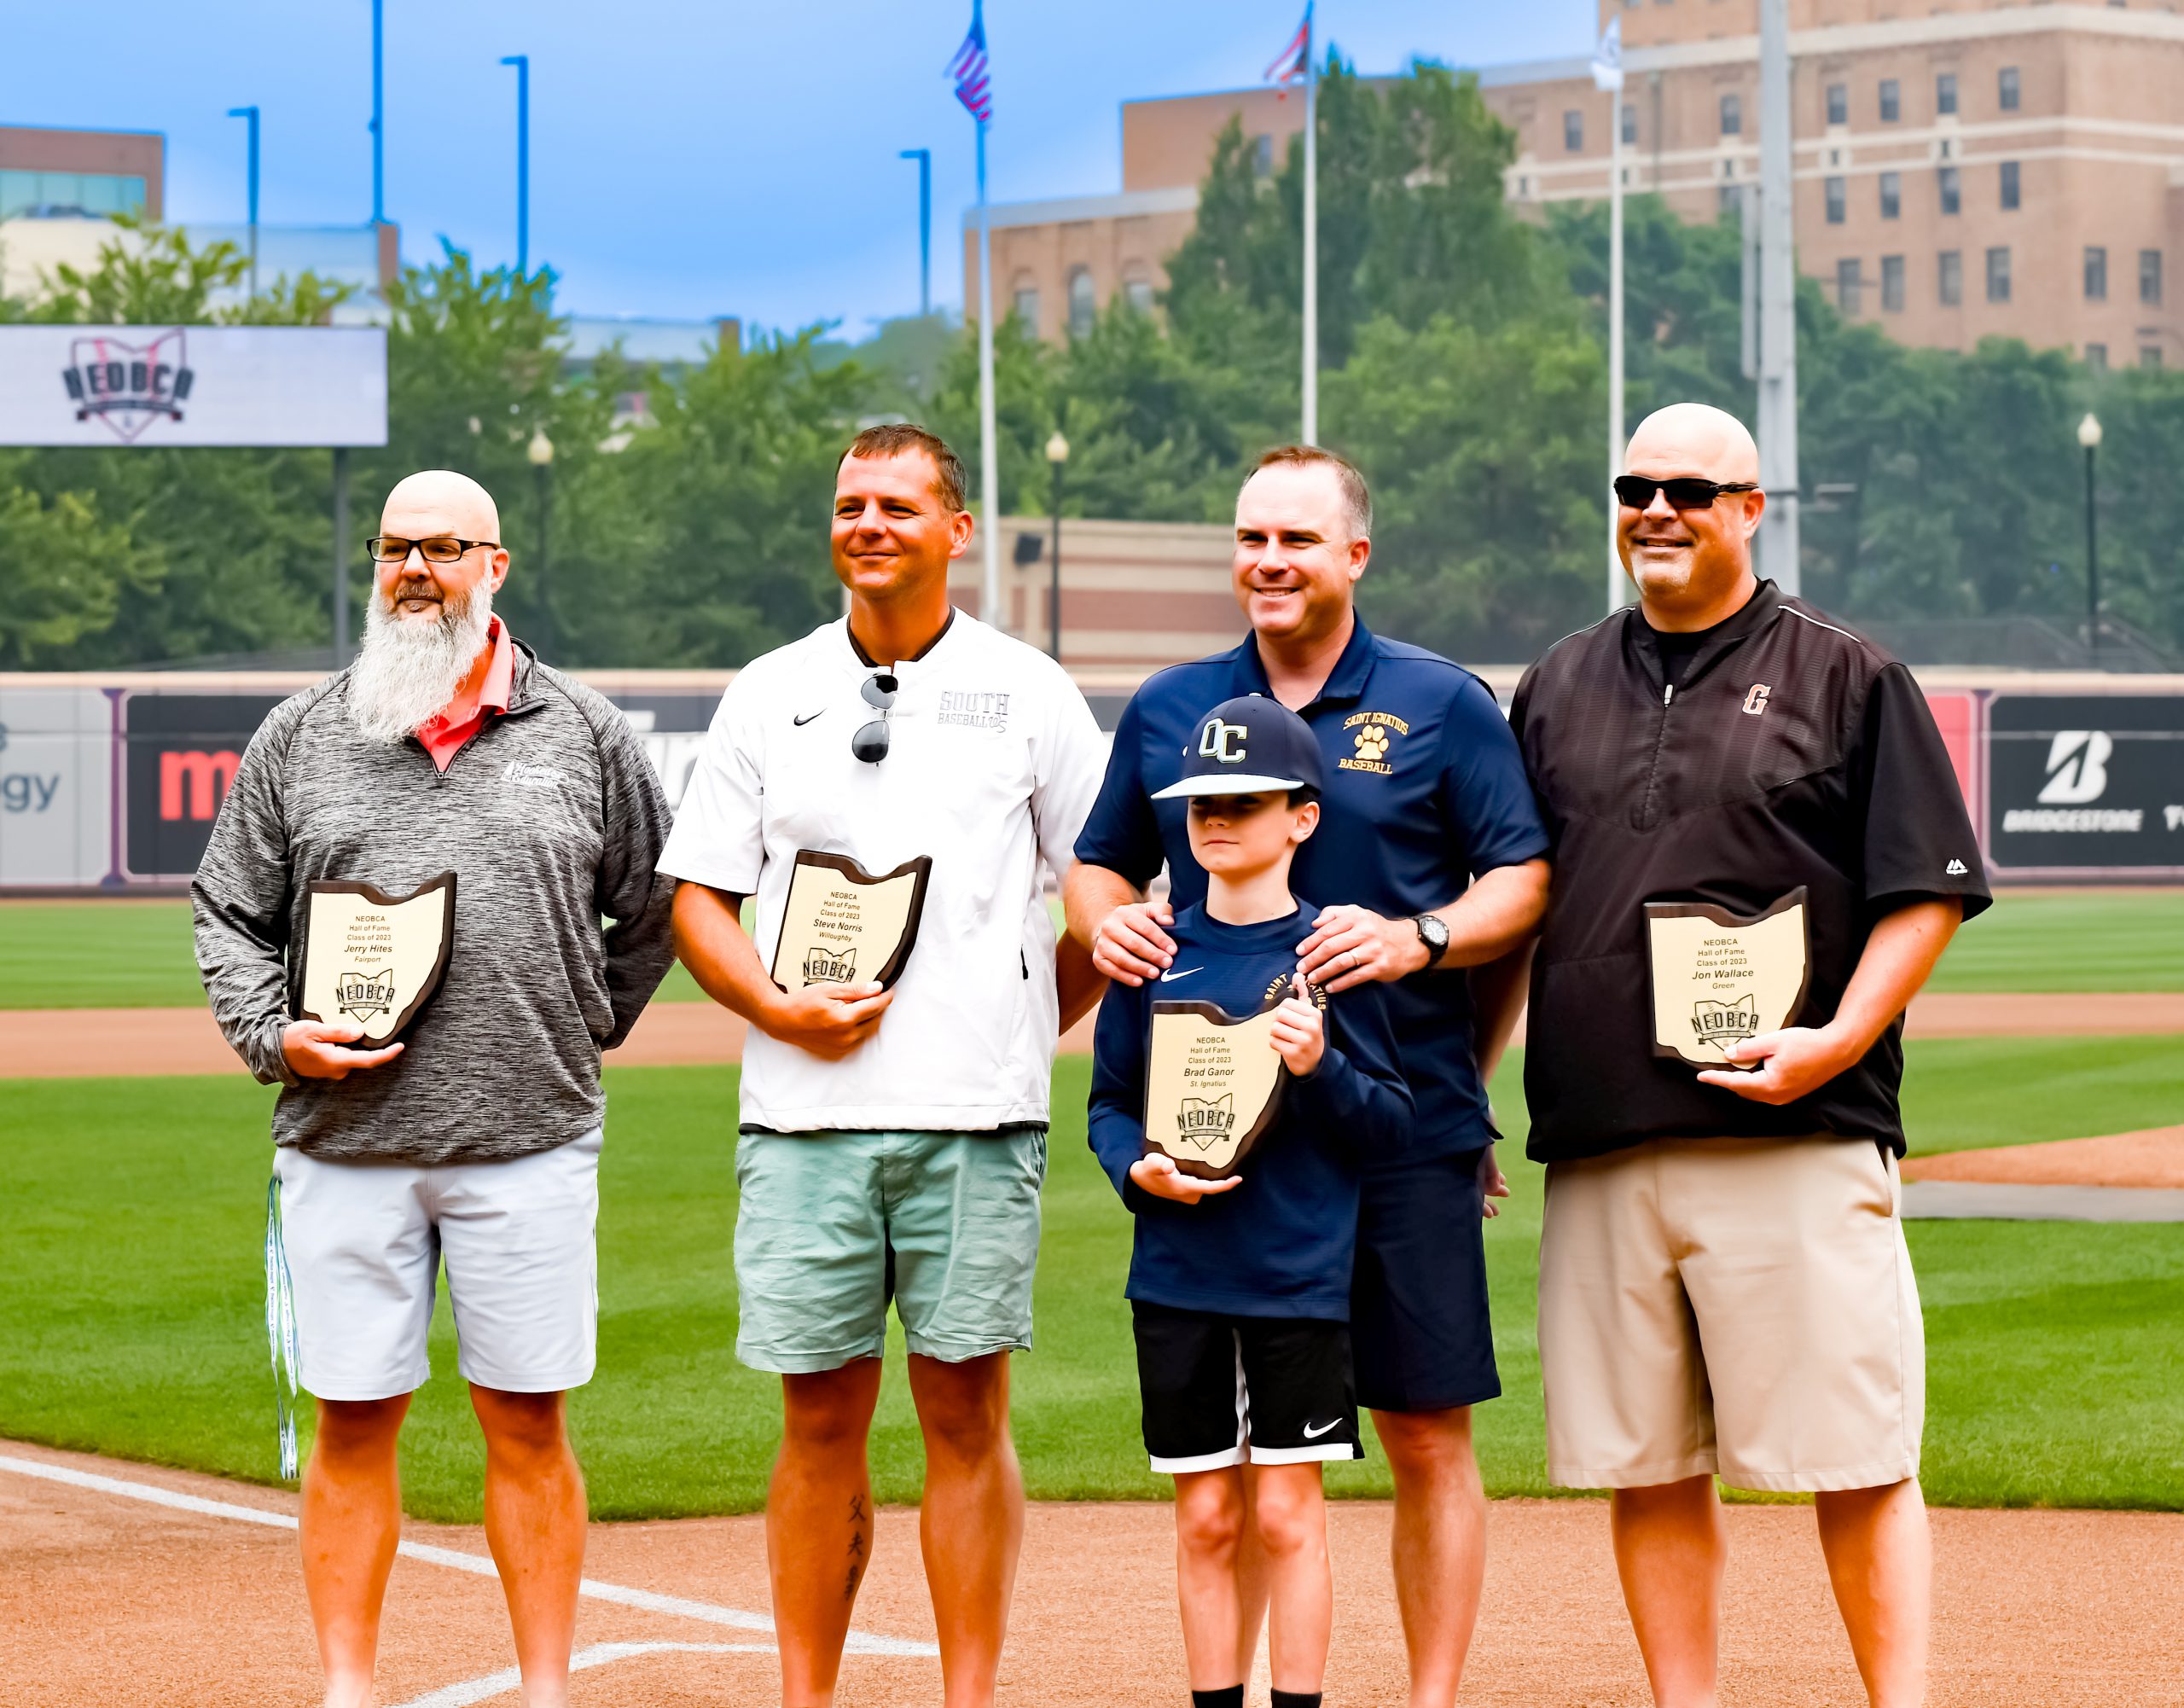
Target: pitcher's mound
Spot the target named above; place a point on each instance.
(2154, 1157)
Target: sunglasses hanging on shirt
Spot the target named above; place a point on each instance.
(1685, 492)
(871, 741)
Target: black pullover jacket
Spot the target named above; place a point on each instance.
(1790, 751)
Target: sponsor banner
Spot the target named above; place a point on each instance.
(2086, 785)
(56, 790)
(263, 386)
(1957, 716)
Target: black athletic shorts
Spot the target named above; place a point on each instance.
(1418, 1316)
(1221, 1391)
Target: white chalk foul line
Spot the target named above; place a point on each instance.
(478, 1565)
(500, 1683)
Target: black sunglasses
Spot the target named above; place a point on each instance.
(871, 741)
(1685, 491)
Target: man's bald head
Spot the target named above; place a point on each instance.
(1692, 439)
(439, 501)
(1692, 565)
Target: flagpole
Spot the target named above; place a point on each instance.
(989, 463)
(1615, 419)
(1310, 424)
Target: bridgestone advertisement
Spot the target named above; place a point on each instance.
(2086, 785)
(104, 387)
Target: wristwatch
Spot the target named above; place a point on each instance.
(1434, 934)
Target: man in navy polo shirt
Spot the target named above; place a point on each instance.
(1432, 848)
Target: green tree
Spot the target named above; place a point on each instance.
(65, 572)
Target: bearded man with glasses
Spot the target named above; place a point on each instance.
(474, 1138)
(1724, 1286)
(893, 1140)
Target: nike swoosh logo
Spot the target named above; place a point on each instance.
(1166, 977)
(1312, 1434)
(807, 717)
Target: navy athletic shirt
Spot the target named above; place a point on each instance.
(1281, 1244)
(1426, 790)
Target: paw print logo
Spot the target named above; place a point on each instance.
(1373, 742)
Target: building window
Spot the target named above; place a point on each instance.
(1945, 93)
(2006, 88)
(2150, 277)
(1952, 190)
(1138, 294)
(1262, 156)
(2150, 356)
(1891, 100)
(1838, 103)
(1573, 131)
(1892, 284)
(1084, 304)
(1629, 123)
(2012, 193)
(1732, 114)
(1026, 307)
(1838, 200)
(1891, 195)
(1849, 287)
(1998, 274)
(64, 194)
(1729, 200)
(2096, 274)
(2096, 358)
(1950, 276)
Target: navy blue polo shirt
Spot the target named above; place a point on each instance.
(1426, 790)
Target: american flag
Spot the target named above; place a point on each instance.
(973, 88)
(1294, 62)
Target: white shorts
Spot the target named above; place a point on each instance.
(364, 1242)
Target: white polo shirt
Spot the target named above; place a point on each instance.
(993, 764)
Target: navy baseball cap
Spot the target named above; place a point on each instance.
(1250, 744)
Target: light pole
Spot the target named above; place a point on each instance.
(378, 113)
(251, 113)
(2089, 437)
(1057, 455)
(924, 158)
(522, 64)
(540, 451)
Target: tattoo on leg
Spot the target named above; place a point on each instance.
(857, 1509)
(857, 1522)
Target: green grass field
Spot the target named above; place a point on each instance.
(135, 1326)
(104, 954)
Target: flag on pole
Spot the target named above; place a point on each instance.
(973, 88)
(1607, 57)
(1294, 62)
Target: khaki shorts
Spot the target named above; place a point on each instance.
(1739, 1307)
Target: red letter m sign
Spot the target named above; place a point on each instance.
(205, 777)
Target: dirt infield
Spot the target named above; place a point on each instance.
(108, 1598)
(2154, 1159)
(93, 1043)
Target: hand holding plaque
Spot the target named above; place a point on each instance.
(1718, 978)
(373, 959)
(840, 925)
(1213, 1085)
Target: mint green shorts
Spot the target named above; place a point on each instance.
(831, 1226)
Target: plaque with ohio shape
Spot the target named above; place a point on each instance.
(1717, 978)
(1213, 1085)
(842, 924)
(373, 959)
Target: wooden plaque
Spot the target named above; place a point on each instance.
(841, 924)
(373, 958)
(1213, 1085)
(1717, 978)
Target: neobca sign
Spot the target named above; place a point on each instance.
(266, 386)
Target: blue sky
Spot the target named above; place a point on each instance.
(687, 159)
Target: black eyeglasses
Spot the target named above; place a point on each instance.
(1685, 491)
(871, 741)
(440, 549)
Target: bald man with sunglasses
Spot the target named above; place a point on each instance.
(892, 1141)
(1724, 1285)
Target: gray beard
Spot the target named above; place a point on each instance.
(409, 669)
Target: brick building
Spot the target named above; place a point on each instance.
(1974, 169)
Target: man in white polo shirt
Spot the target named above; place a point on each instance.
(893, 1142)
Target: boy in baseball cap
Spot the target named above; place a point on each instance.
(1240, 1286)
